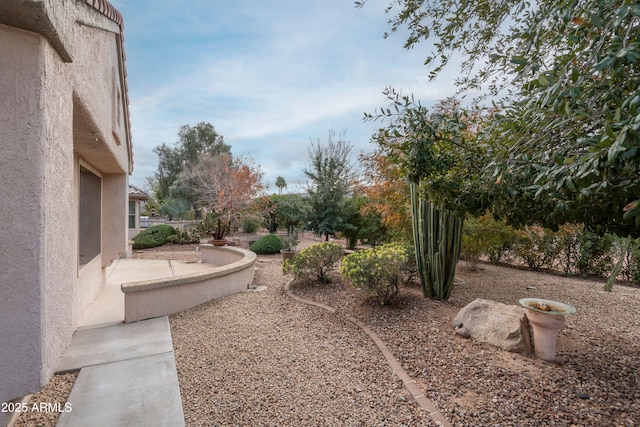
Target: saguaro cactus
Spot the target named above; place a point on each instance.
(437, 234)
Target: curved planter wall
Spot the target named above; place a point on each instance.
(160, 297)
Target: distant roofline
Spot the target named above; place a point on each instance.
(137, 193)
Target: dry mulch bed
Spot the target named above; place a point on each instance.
(594, 380)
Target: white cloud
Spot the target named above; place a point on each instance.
(268, 75)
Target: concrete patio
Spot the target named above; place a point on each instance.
(108, 308)
(127, 371)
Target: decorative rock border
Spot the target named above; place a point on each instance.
(160, 297)
(408, 382)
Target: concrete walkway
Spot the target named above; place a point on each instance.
(127, 376)
(127, 373)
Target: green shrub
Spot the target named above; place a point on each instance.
(269, 244)
(473, 244)
(378, 271)
(631, 269)
(251, 224)
(151, 237)
(316, 260)
(205, 227)
(498, 237)
(569, 247)
(484, 236)
(583, 252)
(184, 238)
(536, 246)
(596, 257)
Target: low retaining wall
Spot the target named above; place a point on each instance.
(161, 297)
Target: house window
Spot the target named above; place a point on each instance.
(90, 216)
(132, 214)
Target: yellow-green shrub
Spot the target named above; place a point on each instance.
(316, 260)
(377, 271)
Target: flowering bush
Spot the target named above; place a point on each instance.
(378, 270)
(316, 260)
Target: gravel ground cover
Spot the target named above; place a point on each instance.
(43, 408)
(264, 359)
(593, 382)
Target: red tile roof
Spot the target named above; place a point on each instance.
(104, 7)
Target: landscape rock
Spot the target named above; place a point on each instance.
(500, 325)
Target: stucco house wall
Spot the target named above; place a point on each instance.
(63, 109)
(136, 199)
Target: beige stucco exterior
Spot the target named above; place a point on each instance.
(233, 272)
(136, 199)
(63, 107)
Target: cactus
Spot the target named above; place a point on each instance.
(437, 234)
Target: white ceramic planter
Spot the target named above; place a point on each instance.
(547, 319)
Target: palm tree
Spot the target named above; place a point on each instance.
(280, 183)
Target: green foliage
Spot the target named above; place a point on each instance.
(569, 244)
(362, 224)
(564, 146)
(582, 252)
(206, 227)
(270, 215)
(473, 244)
(291, 211)
(372, 230)
(280, 183)
(536, 246)
(595, 256)
(173, 161)
(498, 237)
(631, 269)
(330, 174)
(291, 241)
(269, 244)
(251, 224)
(378, 270)
(316, 261)
(437, 238)
(353, 220)
(184, 238)
(153, 236)
(174, 208)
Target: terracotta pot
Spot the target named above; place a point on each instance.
(287, 254)
(220, 242)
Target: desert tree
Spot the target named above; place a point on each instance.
(225, 184)
(175, 162)
(330, 174)
(569, 134)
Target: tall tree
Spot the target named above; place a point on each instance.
(330, 173)
(178, 160)
(387, 192)
(568, 139)
(280, 183)
(226, 185)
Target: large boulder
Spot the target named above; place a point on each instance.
(503, 326)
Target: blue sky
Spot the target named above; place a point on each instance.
(269, 75)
